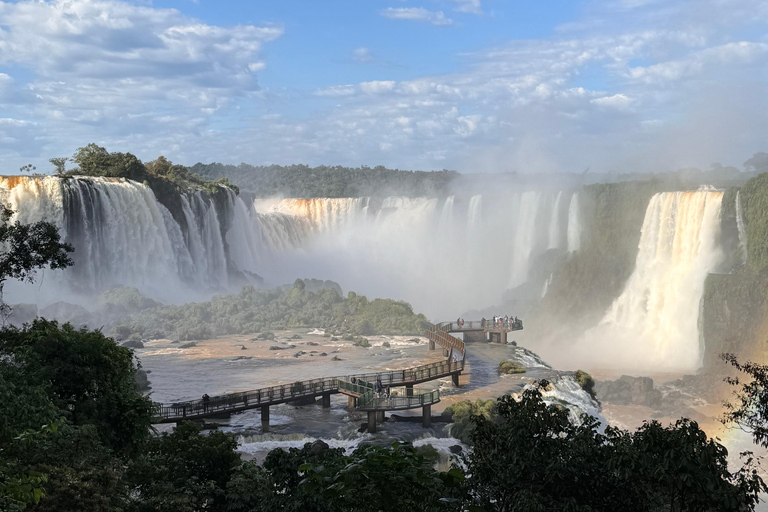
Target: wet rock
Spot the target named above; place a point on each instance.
(336, 358)
(456, 449)
(513, 343)
(319, 446)
(312, 344)
(243, 347)
(142, 383)
(628, 390)
(242, 358)
(299, 353)
(275, 347)
(134, 343)
(188, 345)
(322, 354)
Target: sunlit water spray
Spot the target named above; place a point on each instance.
(653, 324)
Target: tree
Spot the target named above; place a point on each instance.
(750, 409)
(534, 459)
(59, 164)
(376, 478)
(88, 377)
(27, 248)
(183, 471)
(758, 162)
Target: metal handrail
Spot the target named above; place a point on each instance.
(418, 399)
(479, 324)
(312, 387)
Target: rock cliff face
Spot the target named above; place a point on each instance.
(734, 313)
(629, 391)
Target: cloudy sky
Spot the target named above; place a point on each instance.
(471, 85)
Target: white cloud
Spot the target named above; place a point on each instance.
(618, 101)
(363, 54)
(377, 87)
(417, 14)
(469, 6)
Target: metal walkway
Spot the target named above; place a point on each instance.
(359, 387)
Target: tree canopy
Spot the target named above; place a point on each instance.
(27, 248)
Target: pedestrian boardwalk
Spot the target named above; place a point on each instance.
(359, 387)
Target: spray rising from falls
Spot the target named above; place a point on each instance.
(654, 323)
(471, 248)
(740, 227)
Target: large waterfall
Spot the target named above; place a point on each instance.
(654, 323)
(469, 249)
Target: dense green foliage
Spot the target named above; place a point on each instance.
(29, 247)
(66, 451)
(323, 181)
(463, 414)
(69, 409)
(254, 311)
(532, 458)
(94, 160)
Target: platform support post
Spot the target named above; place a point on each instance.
(265, 417)
(409, 390)
(426, 416)
(372, 422)
(455, 379)
(326, 400)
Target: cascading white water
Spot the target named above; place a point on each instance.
(654, 322)
(740, 227)
(446, 216)
(525, 238)
(124, 236)
(554, 223)
(574, 224)
(475, 211)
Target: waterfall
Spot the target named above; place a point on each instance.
(202, 244)
(740, 226)
(475, 211)
(446, 216)
(574, 224)
(554, 224)
(525, 238)
(654, 322)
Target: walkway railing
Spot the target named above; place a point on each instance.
(511, 325)
(359, 384)
(419, 398)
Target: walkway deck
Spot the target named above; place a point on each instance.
(359, 387)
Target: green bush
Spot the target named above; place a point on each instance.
(586, 382)
(510, 367)
(462, 413)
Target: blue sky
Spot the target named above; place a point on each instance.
(472, 85)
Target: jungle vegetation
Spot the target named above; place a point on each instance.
(255, 311)
(326, 181)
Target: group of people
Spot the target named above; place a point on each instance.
(380, 391)
(508, 322)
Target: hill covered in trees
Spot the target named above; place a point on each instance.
(325, 181)
(306, 304)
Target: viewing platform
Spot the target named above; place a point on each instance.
(484, 330)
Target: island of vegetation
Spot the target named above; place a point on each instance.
(306, 304)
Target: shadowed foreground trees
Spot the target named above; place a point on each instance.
(532, 458)
(75, 434)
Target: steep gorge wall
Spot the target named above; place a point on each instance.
(585, 283)
(735, 305)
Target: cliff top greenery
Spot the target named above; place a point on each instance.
(328, 181)
(94, 160)
(255, 311)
